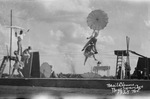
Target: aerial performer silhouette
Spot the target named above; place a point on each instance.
(89, 51)
(96, 20)
(18, 65)
(19, 37)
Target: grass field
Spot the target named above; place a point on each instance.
(11, 92)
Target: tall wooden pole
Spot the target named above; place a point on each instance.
(10, 42)
(128, 60)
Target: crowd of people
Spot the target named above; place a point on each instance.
(137, 74)
(140, 74)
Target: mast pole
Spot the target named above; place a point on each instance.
(128, 59)
(10, 41)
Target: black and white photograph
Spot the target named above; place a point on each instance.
(74, 49)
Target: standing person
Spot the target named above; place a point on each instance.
(19, 40)
(26, 55)
(119, 73)
(89, 51)
(98, 63)
(93, 39)
(17, 65)
(96, 68)
(127, 70)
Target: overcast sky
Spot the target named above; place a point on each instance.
(58, 30)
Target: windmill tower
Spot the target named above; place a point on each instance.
(120, 62)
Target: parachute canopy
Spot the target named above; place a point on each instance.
(45, 70)
(97, 20)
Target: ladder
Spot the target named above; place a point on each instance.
(3, 65)
(119, 64)
(120, 54)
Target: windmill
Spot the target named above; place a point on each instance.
(120, 61)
